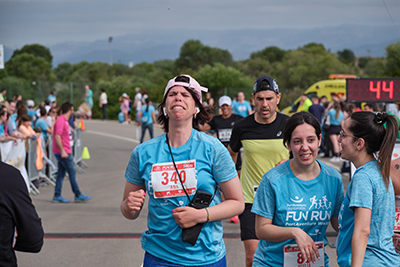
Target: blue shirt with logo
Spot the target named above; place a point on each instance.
(291, 202)
(163, 238)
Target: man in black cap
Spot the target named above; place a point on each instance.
(261, 136)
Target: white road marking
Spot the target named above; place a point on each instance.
(113, 136)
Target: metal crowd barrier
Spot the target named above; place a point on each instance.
(34, 174)
(51, 155)
(77, 151)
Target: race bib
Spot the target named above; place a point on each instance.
(397, 221)
(165, 180)
(255, 187)
(294, 258)
(224, 135)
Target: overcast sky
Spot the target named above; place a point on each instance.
(48, 22)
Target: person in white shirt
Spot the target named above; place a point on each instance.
(138, 102)
(103, 103)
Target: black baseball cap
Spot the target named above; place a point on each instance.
(273, 86)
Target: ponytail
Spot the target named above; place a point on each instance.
(386, 149)
(370, 127)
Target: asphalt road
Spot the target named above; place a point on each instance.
(95, 233)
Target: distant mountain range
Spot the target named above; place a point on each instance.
(154, 45)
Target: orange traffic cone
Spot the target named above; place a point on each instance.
(82, 125)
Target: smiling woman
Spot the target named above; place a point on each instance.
(181, 171)
(296, 200)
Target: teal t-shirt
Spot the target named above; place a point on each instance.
(332, 117)
(89, 99)
(292, 202)
(1, 130)
(367, 189)
(213, 164)
(242, 109)
(146, 115)
(41, 124)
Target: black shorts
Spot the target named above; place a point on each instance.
(247, 223)
(334, 130)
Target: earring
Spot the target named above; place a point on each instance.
(197, 111)
(165, 113)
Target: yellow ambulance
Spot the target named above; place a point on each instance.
(335, 84)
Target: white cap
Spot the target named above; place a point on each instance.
(225, 100)
(191, 84)
(125, 95)
(30, 103)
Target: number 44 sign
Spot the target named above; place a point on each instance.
(373, 89)
(294, 258)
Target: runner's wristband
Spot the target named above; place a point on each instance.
(208, 215)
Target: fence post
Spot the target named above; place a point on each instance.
(72, 92)
(10, 91)
(41, 95)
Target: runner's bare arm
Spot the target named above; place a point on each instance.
(395, 175)
(233, 154)
(133, 200)
(335, 223)
(362, 220)
(205, 127)
(265, 230)
(232, 205)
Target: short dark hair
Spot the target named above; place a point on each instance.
(26, 117)
(42, 111)
(373, 106)
(296, 120)
(65, 107)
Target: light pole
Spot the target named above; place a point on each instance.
(110, 41)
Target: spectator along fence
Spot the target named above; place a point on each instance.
(23, 156)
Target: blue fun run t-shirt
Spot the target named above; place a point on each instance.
(291, 202)
(367, 189)
(202, 162)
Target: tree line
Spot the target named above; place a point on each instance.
(29, 72)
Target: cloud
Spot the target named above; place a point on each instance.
(53, 21)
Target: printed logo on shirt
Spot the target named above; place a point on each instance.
(297, 205)
(318, 213)
(297, 200)
(317, 232)
(242, 108)
(279, 133)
